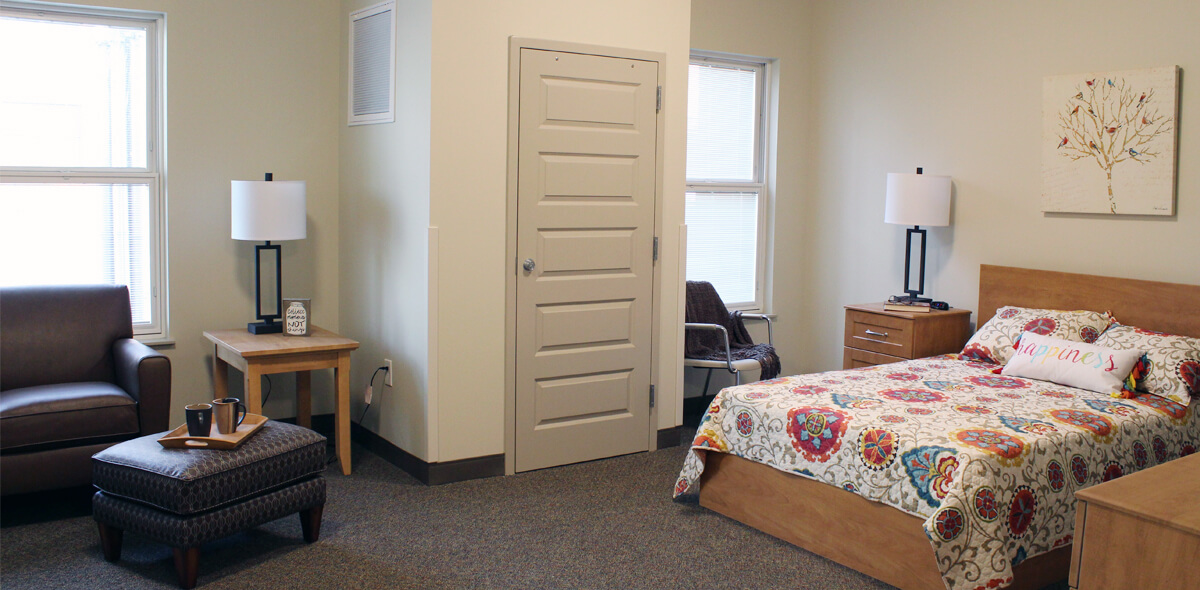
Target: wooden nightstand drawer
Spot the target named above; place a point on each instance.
(853, 358)
(879, 333)
(875, 336)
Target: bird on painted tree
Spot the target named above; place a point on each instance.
(1142, 99)
(1146, 121)
(1112, 130)
(1110, 83)
(1062, 143)
(1134, 152)
(1091, 112)
(1093, 145)
(1091, 82)
(1076, 111)
(1080, 95)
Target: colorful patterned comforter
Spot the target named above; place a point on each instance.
(992, 463)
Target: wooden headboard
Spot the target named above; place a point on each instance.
(1167, 307)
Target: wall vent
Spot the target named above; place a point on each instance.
(373, 64)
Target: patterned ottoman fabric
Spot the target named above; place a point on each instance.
(189, 531)
(189, 481)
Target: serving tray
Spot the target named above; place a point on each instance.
(179, 439)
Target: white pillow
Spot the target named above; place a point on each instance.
(1074, 364)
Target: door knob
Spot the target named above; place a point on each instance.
(529, 264)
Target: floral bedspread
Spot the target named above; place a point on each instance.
(991, 462)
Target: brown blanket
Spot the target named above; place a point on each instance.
(704, 306)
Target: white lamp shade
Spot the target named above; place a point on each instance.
(917, 199)
(267, 211)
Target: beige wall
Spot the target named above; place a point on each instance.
(250, 89)
(779, 30)
(468, 185)
(384, 218)
(956, 87)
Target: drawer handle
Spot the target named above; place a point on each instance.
(874, 333)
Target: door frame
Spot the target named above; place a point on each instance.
(516, 44)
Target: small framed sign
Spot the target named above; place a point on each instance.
(295, 317)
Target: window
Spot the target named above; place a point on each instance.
(81, 162)
(726, 199)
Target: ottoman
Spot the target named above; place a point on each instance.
(187, 497)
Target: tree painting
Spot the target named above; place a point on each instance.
(1113, 121)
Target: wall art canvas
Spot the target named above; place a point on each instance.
(1109, 141)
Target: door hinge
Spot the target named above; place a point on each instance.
(655, 249)
(651, 395)
(658, 100)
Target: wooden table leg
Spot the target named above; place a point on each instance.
(220, 375)
(342, 417)
(253, 389)
(304, 398)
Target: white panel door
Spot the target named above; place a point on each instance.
(585, 220)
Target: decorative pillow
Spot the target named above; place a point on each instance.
(1173, 369)
(994, 341)
(1074, 364)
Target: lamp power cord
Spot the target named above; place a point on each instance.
(370, 391)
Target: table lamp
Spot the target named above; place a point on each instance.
(268, 210)
(916, 200)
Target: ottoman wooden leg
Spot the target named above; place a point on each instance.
(110, 541)
(310, 523)
(187, 562)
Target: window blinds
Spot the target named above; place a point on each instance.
(724, 176)
(79, 196)
(722, 242)
(722, 123)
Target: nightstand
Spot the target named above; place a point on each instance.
(877, 337)
(1139, 531)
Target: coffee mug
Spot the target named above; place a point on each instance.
(199, 419)
(229, 413)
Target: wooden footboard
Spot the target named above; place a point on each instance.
(867, 536)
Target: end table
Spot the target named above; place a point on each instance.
(256, 355)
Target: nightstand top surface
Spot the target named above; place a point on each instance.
(1165, 494)
(878, 308)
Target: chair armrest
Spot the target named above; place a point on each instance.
(764, 317)
(145, 375)
(724, 337)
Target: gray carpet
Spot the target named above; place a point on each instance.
(604, 524)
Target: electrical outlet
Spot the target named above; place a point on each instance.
(387, 377)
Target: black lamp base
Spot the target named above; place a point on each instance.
(267, 325)
(913, 295)
(264, 328)
(909, 299)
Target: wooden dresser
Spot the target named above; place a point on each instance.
(1139, 531)
(876, 337)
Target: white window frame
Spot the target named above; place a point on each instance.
(152, 175)
(759, 185)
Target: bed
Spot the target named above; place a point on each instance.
(918, 538)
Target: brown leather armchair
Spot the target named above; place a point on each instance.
(73, 382)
